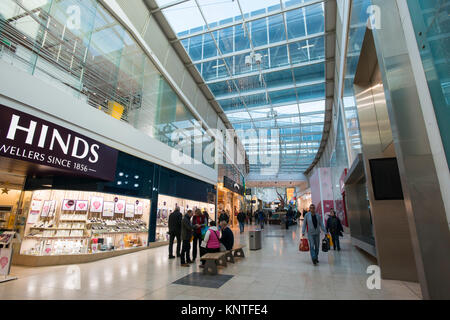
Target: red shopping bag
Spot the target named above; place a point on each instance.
(304, 245)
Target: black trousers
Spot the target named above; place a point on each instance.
(335, 239)
(196, 244)
(171, 239)
(185, 252)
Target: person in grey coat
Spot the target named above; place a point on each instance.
(315, 224)
(186, 235)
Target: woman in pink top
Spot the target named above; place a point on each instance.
(211, 242)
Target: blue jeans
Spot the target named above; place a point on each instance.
(241, 226)
(314, 245)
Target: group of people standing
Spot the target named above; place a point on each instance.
(205, 235)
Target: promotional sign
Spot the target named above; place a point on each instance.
(26, 137)
(129, 213)
(68, 205)
(82, 205)
(108, 209)
(119, 206)
(96, 204)
(233, 186)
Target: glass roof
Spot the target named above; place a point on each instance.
(264, 61)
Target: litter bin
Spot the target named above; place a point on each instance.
(255, 239)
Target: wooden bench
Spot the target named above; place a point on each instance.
(238, 252)
(212, 260)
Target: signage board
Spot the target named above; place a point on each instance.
(29, 138)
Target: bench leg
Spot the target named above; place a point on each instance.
(210, 267)
(222, 261)
(239, 253)
(229, 257)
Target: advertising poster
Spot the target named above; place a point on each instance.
(96, 204)
(119, 206)
(82, 205)
(129, 213)
(68, 205)
(108, 209)
(46, 208)
(139, 209)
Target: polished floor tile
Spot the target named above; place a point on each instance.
(276, 272)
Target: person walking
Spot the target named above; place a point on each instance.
(261, 218)
(199, 221)
(175, 231)
(206, 215)
(211, 242)
(314, 223)
(227, 238)
(186, 234)
(334, 227)
(289, 216)
(224, 217)
(241, 219)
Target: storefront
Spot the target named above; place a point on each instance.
(230, 199)
(73, 199)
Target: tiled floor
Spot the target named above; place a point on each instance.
(277, 271)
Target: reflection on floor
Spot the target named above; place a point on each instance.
(277, 271)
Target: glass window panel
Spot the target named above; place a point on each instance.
(260, 113)
(195, 47)
(295, 23)
(288, 121)
(286, 110)
(283, 96)
(259, 32)
(241, 40)
(221, 88)
(315, 18)
(254, 6)
(218, 10)
(209, 70)
(209, 47)
(311, 92)
(313, 106)
(279, 78)
(307, 50)
(226, 40)
(313, 118)
(249, 84)
(276, 29)
(305, 74)
(240, 67)
(278, 56)
(255, 100)
(238, 116)
(176, 16)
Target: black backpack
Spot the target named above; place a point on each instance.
(325, 244)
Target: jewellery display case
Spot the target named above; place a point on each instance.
(63, 222)
(167, 204)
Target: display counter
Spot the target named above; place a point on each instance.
(64, 222)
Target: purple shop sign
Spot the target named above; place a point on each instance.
(26, 137)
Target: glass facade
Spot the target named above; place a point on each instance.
(358, 19)
(264, 61)
(77, 46)
(432, 28)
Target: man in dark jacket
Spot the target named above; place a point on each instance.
(186, 234)
(227, 238)
(289, 215)
(241, 219)
(334, 227)
(175, 231)
(224, 217)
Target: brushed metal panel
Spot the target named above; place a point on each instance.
(424, 204)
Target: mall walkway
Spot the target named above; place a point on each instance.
(278, 271)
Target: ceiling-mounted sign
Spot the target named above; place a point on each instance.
(233, 186)
(26, 137)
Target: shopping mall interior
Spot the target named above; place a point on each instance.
(224, 150)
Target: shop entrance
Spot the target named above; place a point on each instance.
(11, 193)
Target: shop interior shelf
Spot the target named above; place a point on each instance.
(130, 231)
(56, 237)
